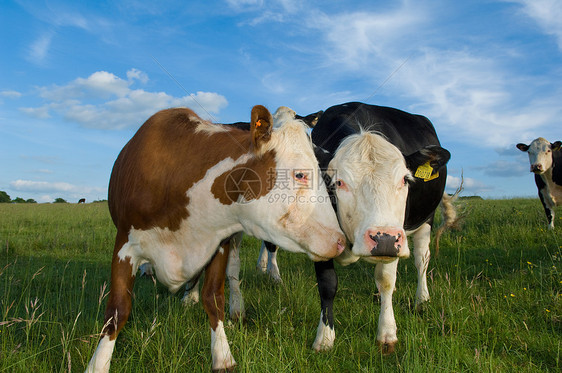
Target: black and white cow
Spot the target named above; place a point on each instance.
(546, 164)
(388, 174)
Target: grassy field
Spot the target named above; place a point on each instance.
(496, 304)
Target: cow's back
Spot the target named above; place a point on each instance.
(408, 132)
(167, 155)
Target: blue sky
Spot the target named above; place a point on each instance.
(78, 78)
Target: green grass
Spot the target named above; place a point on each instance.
(495, 286)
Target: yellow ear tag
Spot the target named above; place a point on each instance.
(258, 123)
(424, 172)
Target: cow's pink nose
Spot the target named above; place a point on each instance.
(385, 241)
(537, 167)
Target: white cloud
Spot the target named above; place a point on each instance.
(470, 186)
(10, 94)
(41, 112)
(39, 49)
(52, 188)
(121, 106)
(547, 14)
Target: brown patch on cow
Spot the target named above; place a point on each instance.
(161, 163)
(253, 179)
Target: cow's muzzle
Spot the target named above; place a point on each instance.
(385, 242)
(537, 168)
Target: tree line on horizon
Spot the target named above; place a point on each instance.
(5, 198)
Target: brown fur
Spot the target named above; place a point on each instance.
(163, 160)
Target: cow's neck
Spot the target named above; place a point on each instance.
(554, 191)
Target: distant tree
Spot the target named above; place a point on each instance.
(4, 197)
(31, 200)
(18, 200)
(59, 200)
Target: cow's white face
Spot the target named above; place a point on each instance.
(371, 179)
(296, 214)
(540, 155)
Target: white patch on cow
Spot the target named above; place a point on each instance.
(220, 350)
(102, 357)
(325, 336)
(191, 295)
(207, 127)
(369, 173)
(385, 278)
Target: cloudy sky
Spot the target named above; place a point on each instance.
(77, 79)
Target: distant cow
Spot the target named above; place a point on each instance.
(82, 200)
(183, 186)
(546, 164)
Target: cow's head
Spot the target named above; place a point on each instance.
(540, 154)
(371, 178)
(296, 212)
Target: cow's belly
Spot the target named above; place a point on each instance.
(175, 256)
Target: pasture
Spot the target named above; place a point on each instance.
(496, 301)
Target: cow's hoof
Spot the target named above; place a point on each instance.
(421, 307)
(387, 348)
(237, 317)
(231, 369)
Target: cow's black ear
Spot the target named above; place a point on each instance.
(310, 119)
(522, 147)
(556, 145)
(435, 155)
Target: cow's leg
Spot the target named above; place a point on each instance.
(191, 295)
(385, 278)
(262, 258)
(236, 301)
(267, 261)
(213, 302)
(548, 208)
(327, 287)
(118, 307)
(272, 267)
(422, 238)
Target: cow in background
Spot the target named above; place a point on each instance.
(82, 200)
(182, 187)
(546, 164)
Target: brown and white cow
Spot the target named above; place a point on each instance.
(183, 186)
(546, 164)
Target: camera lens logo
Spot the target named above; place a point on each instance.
(242, 185)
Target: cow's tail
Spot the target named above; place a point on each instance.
(451, 220)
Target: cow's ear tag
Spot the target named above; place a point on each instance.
(258, 123)
(424, 172)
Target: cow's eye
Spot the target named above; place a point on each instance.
(300, 177)
(341, 185)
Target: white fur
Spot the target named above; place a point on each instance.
(220, 350)
(385, 277)
(374, 195)
(102, 357)
(325, 336)
(422, 237)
